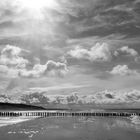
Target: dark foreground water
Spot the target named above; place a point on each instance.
(72, 129)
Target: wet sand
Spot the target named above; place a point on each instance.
(76, 128)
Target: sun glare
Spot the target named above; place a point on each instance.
(35, 7)
(38, 4)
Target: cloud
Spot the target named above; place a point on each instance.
(3, 69)
(13, 64)
(102, 52)
(35, 98)
(57, 88)
(123, 70)
(11, 61)
(56, 68)
(104, 18)
(105, 97)
(88, 22)
(126, 50)
(51, 68)
(73, 19)
(117, 97)
(99, 52)
(8, 72)
(11, 56)
(36, 71)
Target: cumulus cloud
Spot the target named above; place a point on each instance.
(14, 65)
(37, 71)
(99, 52)
(11, 61)
(116, 97)
(56, 68)
(102, 52)
(106, 97)
(51, 68)
(126, 50)
(11, 56)
(34, 98)
(123, 70)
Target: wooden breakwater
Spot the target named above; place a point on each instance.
(64, 114)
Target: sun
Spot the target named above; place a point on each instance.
(35, 7)
(38, 4)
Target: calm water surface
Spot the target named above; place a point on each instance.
(72, 129)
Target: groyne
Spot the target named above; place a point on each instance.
(64, 114)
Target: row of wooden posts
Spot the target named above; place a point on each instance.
(63, 114)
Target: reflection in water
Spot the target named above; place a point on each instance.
(29, 133)
(79, 128)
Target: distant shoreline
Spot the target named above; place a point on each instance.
(24, 107)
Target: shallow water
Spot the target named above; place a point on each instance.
(75, 128)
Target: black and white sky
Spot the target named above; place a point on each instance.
(64, 44)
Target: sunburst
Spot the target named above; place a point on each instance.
(38, 4)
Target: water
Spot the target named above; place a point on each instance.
(76, 128)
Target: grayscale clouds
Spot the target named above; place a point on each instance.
(79, 42)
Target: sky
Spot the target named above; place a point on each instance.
(54, 45)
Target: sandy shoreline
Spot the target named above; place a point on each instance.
(4, 121)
